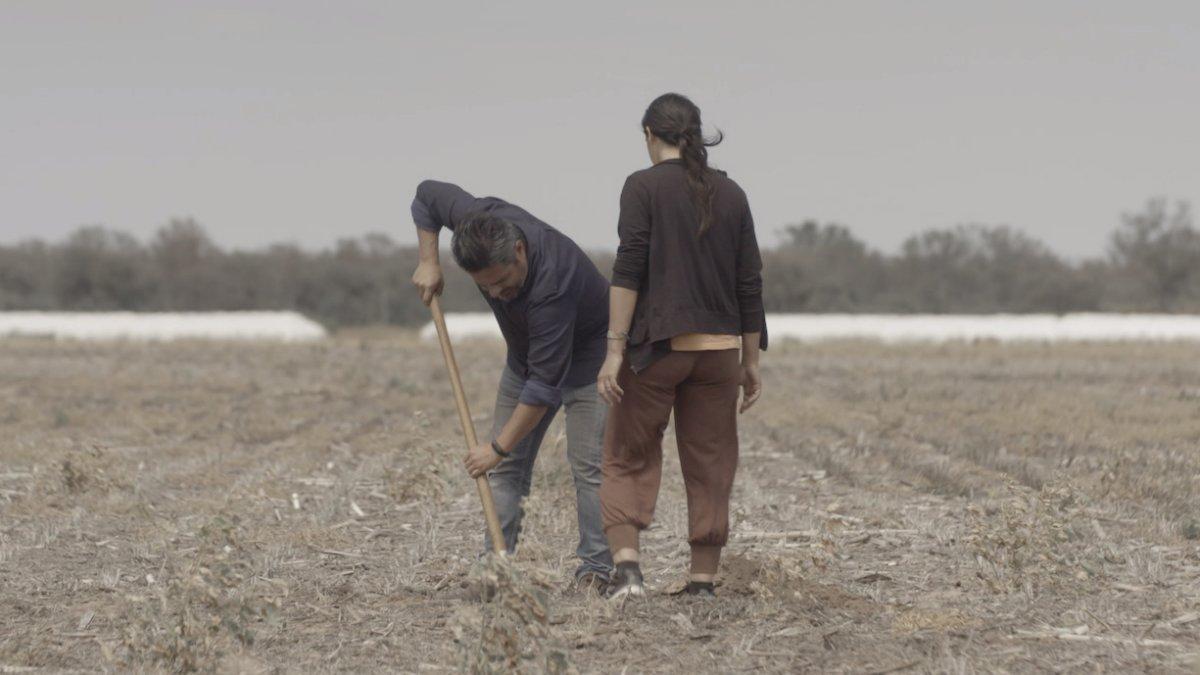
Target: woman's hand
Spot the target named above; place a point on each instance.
(751, 386)
(606, 381)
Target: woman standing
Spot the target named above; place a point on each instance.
(686, 295)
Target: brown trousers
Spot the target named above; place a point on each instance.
(702, 388)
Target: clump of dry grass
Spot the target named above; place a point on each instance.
(84, 468)
(423, 469)
(1033, 540)
(204, 607)
(511, 632)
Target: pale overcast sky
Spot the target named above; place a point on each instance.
(310, 121)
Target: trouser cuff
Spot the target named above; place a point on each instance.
(705, 559)
(624, 535)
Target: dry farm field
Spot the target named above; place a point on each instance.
(268, 507)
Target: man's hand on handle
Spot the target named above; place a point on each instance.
(429, 280)
(481, 459)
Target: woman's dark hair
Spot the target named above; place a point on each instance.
(676, 120)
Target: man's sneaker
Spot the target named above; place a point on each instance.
(592, 582)
(627, 582)
(700, 589)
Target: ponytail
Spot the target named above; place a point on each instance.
(676, 120)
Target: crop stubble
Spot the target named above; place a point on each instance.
(957, 507)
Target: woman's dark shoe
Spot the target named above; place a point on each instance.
(700, 589)
(627, 582)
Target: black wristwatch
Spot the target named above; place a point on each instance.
(498, 450)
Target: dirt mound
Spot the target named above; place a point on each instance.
(780, 577)
(748, 575)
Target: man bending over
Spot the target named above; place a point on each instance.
(552, 306)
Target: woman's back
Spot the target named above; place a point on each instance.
(687, 281)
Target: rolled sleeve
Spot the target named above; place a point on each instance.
(422, 217)
(437, 205)
(540, 394)
(633, 228)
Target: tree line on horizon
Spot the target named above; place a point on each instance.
(1152, 265)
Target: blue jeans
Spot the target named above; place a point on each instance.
(510, 480)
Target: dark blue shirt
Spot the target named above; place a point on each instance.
(555, 327)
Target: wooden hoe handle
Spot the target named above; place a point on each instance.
(468, 427)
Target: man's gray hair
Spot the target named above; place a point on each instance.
(482, 240)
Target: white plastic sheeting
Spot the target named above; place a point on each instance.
(286, 326)
(464, 325)
(927, 327)
(1001, 327)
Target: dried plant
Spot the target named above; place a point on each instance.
(204, 608)
(511, 631)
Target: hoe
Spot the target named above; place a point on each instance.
(468, 427)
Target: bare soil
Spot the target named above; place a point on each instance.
(957, 508)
